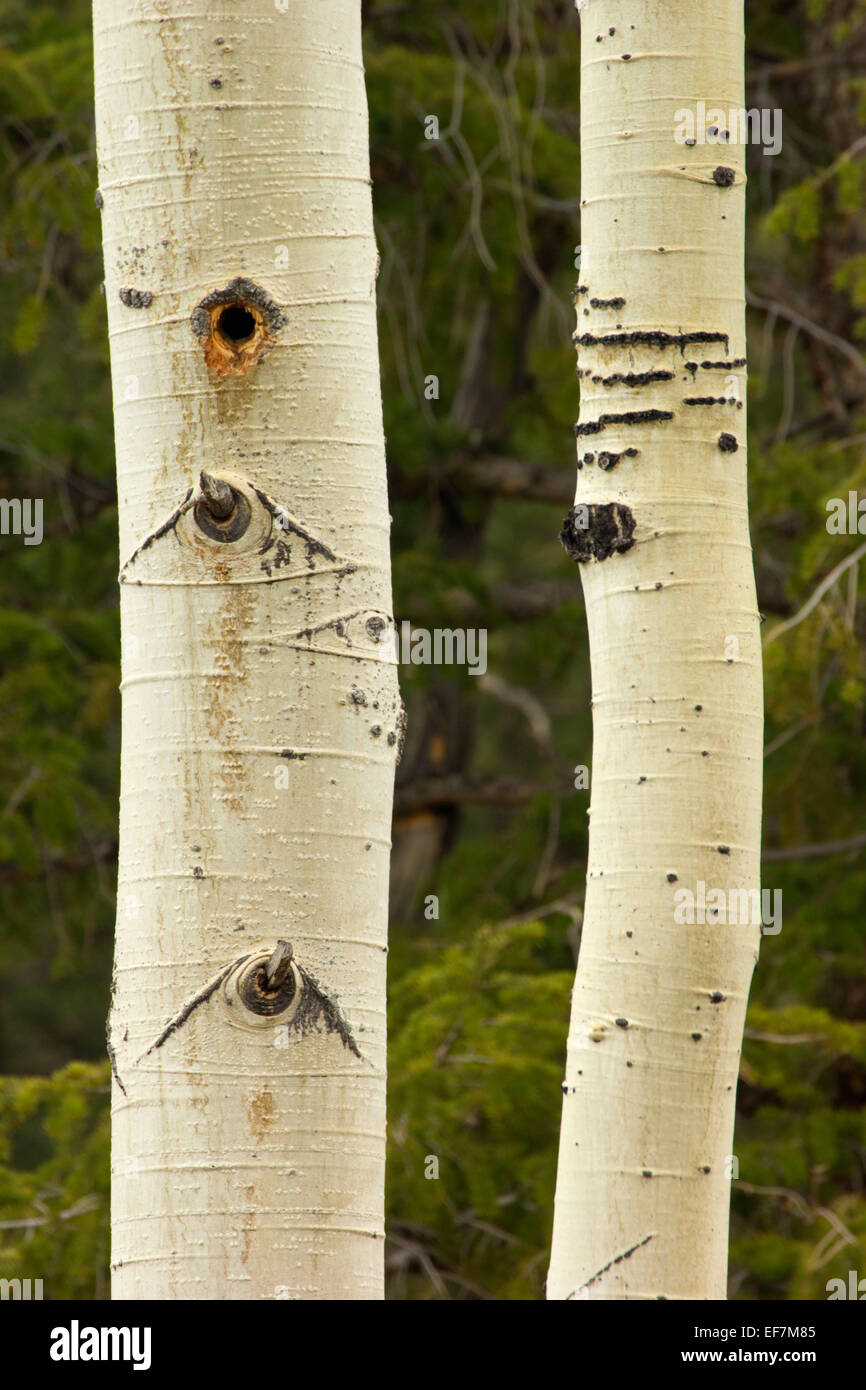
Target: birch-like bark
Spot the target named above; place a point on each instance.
(660, 529)
(261, 717)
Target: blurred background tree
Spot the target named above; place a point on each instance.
(478, 224)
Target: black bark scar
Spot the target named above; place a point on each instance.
(632, 378)
(608, 460)
(597, 530)
(618, 1259)
(653, 337)
(169, 525)
(192, 1004)
(628, 417)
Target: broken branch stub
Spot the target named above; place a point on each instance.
(263, 995)
(221, 512)
(278, 964)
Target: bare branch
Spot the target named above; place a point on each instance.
(816, 597)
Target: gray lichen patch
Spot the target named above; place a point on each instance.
(136, 299)
(397, 736)
(112, 1055)
(236, 325)
(597, 530)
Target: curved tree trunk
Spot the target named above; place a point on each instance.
(660, 529)
(261, 718)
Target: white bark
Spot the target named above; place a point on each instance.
(261, 718)
(658, 1007)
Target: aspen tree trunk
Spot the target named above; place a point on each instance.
(261, 718)
(660, 529)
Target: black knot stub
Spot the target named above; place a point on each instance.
(268, 997)
(728, 444)
(221, 512)
(723, 176)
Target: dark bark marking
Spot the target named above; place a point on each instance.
(286, 523)
(112, 1057)
(192, 1004)
(597, 530)
(607, 460)
(652, 337)
(136, 299)
(316, 1007)
(632, 378)
(628, 417)
(169, 525)
(618, 1259)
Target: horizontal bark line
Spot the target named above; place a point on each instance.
(427, 794)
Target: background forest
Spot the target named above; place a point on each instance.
(477, 232)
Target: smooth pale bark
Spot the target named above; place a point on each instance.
(261, 717)
(658, 1006)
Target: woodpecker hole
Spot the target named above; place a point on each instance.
(236, 326)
